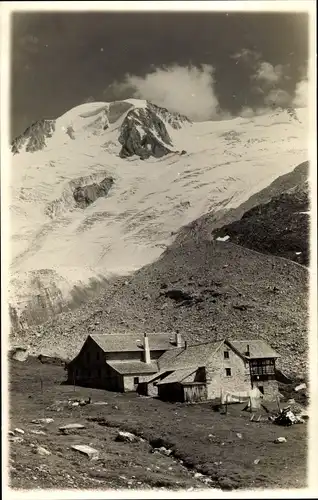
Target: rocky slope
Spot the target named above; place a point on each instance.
(208, 224)
(279, 227)
(206, 290)
(275, 220)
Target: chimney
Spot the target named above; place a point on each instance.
(178, 340)
(185, 344)
(146, 349)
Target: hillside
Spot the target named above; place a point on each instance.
(104, 189)
(210, 225)
(204, 289)
(280, 227)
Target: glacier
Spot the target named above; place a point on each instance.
(202, 167)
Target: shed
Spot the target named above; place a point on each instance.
(184, 385)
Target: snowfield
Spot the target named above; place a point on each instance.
(57, 244)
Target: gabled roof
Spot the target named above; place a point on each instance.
(257, 348)
(120, 342)
(178, 375)
(133, 367)
(195, 355)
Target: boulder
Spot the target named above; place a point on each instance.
(42, 421)
(19, 354)
(70, 428)
(40, 450)
(126, 437)
(38, 433)
(280, 440)
(18, 431)
(300, 387)
(164, 451)
(86, 450)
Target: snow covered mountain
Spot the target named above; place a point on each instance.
(102, 190)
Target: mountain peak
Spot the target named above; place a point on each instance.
(100, 118)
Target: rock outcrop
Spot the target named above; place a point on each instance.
(86, 195)
(279, 227)
(34, 137)
(143, 133)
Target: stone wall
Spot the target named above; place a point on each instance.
(270, 388)
(217, 379)
(128, 381)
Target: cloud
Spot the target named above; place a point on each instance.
(268, 83)
(278, 98)
(183, 89)
(248, 112)
(267, 73)
(89, 99)
(301, 95)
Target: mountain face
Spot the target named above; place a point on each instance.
(279, 227)
(103, 190)
(275, 220)
(34, 138)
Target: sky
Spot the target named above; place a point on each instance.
(205, 65)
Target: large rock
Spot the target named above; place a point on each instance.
(19, 354)
(126, 437)
(71, 428)
(40, 450)
(43, 421)
(86, 450)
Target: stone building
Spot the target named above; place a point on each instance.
(119, 362)
(164, 365)
(205, 371)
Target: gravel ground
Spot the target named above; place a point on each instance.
(201, 447)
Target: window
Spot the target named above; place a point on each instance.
(263, 367)
(136, 380)
(228, 372)
(226, 354)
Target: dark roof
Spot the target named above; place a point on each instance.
(257, 348)
(133, 367)
(120, 342)
(153, 378)
(194, 355)
(178, 375)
